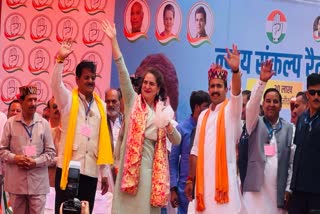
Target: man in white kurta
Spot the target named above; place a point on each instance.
(87, 130)
(233, 126)
(276, 142)
(217, 90)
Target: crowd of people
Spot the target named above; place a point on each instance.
(228, 156)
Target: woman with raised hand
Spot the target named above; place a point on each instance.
(142, 184)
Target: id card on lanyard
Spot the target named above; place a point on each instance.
(85, 129)
(29, 150)
(270, 147)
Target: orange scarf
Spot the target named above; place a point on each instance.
(221, 171)
(160, 188)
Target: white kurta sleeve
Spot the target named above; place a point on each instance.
(253, 106)
(60, 92)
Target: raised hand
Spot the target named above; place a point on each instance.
(109, 29)
(266, 71)
(65, 49)
(233, 58)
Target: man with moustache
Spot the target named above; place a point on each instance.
(213, 156)
(269, 149)
(27, 149)
(84, 131)
(305, 183)
(136, 17)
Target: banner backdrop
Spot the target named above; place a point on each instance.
(31, 34)
(262, 30)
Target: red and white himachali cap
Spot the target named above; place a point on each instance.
(217, 72)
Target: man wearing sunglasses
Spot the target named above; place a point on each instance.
(306, 166)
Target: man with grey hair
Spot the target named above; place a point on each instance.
(113, 98)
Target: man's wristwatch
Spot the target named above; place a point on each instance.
(235, 71)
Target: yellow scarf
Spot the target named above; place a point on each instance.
(221, 170)
(104, 148)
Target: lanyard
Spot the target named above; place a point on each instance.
(270, 129)
(309, 121)
(29, 131)
(87, 106)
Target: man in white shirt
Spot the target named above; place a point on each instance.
(213, 156)
(84, 131)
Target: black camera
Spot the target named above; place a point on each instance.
(73, 204)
